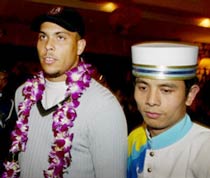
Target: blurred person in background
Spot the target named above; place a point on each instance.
(200, 108)
(7, 113)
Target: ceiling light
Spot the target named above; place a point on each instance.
(109, 7)
(105, 7)
(205, 22)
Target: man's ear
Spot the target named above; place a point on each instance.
(81, 46)
(192, 94)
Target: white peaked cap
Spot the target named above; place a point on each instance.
(164, 60)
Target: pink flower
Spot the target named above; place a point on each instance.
(78, 79)
(12, 170)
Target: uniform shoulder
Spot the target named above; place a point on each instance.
(137, 138)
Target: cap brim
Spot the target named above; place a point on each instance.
(35, 26)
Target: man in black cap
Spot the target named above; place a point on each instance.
(69, 125)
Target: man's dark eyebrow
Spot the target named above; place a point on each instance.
(139, 80)
(166, 84)
(57, 33)
(61, 32)
(41, 31)
(170, 85)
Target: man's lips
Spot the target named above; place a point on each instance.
(152, 115)
(49, 60)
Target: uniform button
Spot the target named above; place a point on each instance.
(152, 153)
(149, 169)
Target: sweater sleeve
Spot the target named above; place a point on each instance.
(108, 139)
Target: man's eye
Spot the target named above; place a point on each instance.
(167, 91)
(42, 37)
(61, 37)
(141, 88)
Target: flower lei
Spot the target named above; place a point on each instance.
(78, 79)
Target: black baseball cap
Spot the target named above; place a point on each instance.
(67, 18)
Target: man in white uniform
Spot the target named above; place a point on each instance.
(168, 144)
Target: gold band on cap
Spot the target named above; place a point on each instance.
(164, 72)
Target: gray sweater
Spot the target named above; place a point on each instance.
(99, 147)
